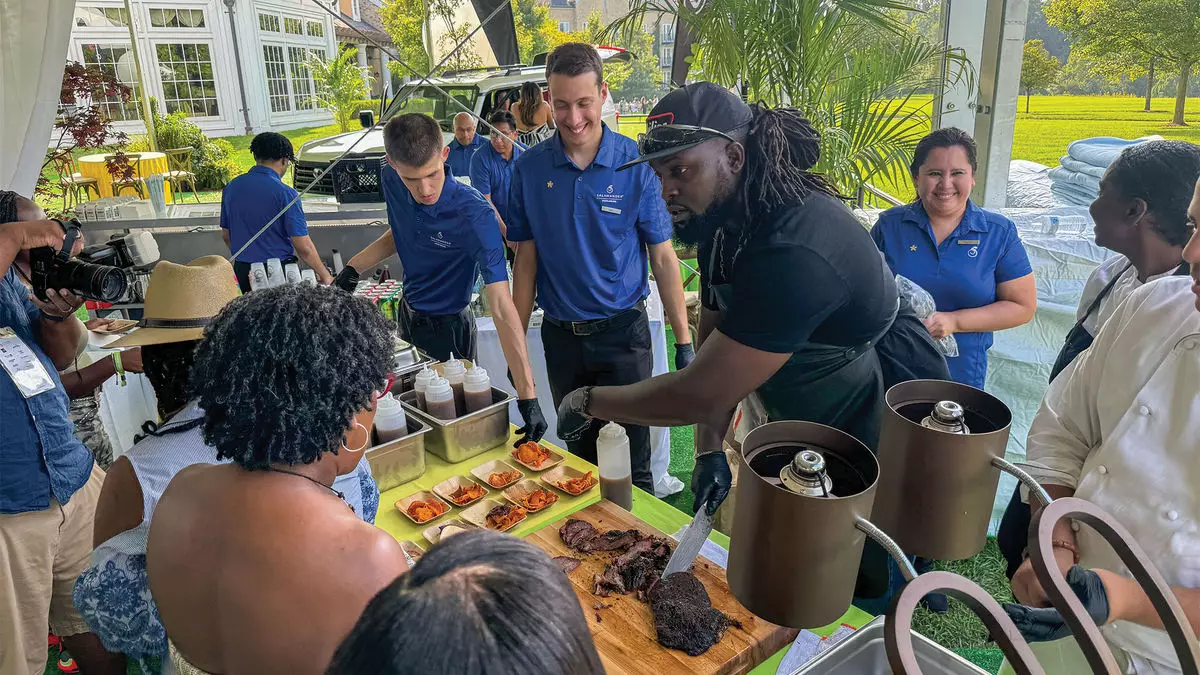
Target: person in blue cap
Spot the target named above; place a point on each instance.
(585, 234)
(253, 199)
(464, 145)
(446, 234)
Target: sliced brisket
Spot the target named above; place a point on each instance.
(567, 563)
(684, 618)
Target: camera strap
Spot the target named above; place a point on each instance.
(72, 232)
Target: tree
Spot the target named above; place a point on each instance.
(645, 75)
(1135, 31)
(405, 22)
(341, 84)
(1038, 69)
(457, 58)
(532, 22)
(847, 65)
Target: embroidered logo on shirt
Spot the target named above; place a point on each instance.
(610, 189)
(913, 248)
(549, 183)
(973, 251)
(440, 241)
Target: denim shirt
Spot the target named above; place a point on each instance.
(40, 457)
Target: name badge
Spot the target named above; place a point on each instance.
(968, 242)
(22, 365)
(611, 209)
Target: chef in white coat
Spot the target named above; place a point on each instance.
(1121, 428)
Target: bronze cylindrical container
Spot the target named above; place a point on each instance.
(793, 558)
(936, 488)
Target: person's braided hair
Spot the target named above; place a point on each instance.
(168, 367)
(8, 206)
(282, 371)
(781, 148)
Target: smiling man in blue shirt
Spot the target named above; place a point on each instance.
(464, 146)
(586, 233)
(251, 200)
(445, 233)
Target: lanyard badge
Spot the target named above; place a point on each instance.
(22, 365)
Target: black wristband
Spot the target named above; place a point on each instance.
(55, 319)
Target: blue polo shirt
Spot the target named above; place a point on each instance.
(591, 226)
(250, 201)
(442, 246)
(491, 174)
(961, 273)
(40, 457)
(461, 155)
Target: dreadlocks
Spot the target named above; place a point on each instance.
(168, 367)
(8, 206)
(781, 147)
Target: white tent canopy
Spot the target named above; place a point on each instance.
(33, 48)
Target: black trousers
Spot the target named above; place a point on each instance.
(609, 352)
(1013, 535)
(241, 270)
(439, 335)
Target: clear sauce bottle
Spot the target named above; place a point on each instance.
(477, 390)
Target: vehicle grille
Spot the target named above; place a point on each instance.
(305, 172)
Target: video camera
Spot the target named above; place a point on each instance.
(99, 273)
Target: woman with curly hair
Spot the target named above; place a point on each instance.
(260, 565)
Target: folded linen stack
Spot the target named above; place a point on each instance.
(1077, 178)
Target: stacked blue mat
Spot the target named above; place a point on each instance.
(1077, 178)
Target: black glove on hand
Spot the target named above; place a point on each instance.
(573, 419)
(347, 279)
(535, 422)
(1043, 624)
(684, 355)
(711, 480)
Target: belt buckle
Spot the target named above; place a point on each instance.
(579, 329)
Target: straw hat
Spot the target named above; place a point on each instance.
(181, 300)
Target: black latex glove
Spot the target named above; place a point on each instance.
(347, 279)
(535, 422)
(711, 480)
(573, 419)
(1043, 624)
(684, 355)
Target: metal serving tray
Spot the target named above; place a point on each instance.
(464, 437)
(863, 653)
(397, 462)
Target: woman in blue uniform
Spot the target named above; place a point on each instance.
(970, 260)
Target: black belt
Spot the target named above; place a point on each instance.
(417, 316)
(594, 326)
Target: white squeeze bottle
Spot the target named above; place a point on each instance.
(455, 372)
(424, 377)
(612, 456)
(390, 422)
(258, 276)
(477, 390)
(439, 399)
(275, 273)
(291, 273)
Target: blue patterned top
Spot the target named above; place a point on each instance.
(113, 593)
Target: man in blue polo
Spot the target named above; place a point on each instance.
(446, 234)
(585, 233)
(491, 169)
(464, 146)
(254, 199)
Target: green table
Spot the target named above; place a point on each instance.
(655, 512)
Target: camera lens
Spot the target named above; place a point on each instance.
(97, 282)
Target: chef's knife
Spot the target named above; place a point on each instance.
(689, 545)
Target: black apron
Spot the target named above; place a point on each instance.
(1078, 339)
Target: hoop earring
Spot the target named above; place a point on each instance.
(365, 442)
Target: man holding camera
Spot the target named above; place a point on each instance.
(49, 482)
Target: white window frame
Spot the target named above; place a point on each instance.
(157, 40)
(666, 58)
(112, 42)
(286, 42)
(564, 23)
(667, 33)
(207, 18)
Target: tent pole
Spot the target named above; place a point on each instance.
(147, 117)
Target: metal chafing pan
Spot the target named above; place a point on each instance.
(397, 462)
(863, 653)
(463, 437)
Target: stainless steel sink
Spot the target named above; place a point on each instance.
(863, 653)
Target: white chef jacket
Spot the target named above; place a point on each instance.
(1098, 280)
(1122, 427)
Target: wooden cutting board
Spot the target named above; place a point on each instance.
(624, 633)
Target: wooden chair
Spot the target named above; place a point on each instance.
(75, 186)
(179, 165)
(135, 182)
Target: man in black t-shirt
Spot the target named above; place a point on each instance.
(795, 293)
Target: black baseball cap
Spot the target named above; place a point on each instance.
(693, 114)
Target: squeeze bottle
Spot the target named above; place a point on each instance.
(258, 276)
(424, 377)
(477, 390)
(616, 476)
(390, 422)
(275, 272)
(455, 373)
(439, 399)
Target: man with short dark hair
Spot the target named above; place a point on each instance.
(445, 233)
(491, 169)
(253, 199)
(464, 146)
(586, 234)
